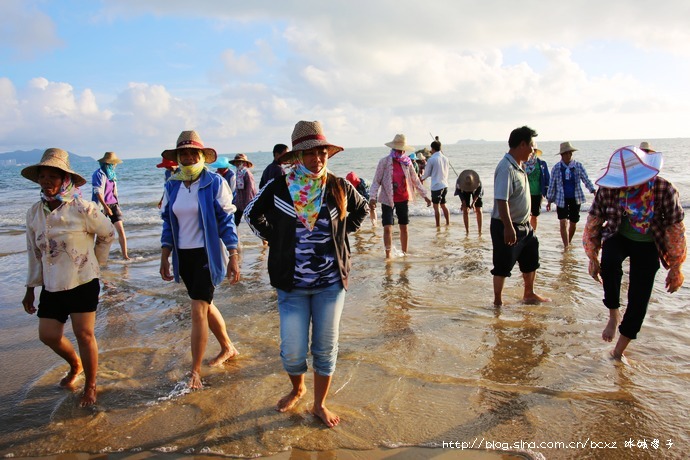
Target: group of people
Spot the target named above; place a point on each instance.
(304, 212)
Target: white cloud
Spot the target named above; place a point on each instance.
(25, 30)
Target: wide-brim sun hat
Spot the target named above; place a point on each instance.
(221, 163)
(468, 180)
(53, 158)
(537, 152)
(566, 147)
(167, 164)
(308, 135)
(242, 157)
(110, 158)
(630, 166)
(399, 142)
(190, 140)
(646, 146)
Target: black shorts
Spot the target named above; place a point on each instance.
(401, 210)
(536, 205)
(525, 252)
(59, 305)
(570, 212)
(466, 198)
(439, 196)
(195, 273)
(116, 215)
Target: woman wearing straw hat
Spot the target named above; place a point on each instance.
(538, 174)
(245, 187)
(199, 232)
(564, 190)
(306, 218)
(393, 185)
(469, 188)
(636, 214)
(104, 182)
(64, 261)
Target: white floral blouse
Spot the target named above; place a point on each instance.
(60, 244)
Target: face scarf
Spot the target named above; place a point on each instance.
(109, 171)
(638, 204)
(400, 157)
(240, 175)
(66, 194)
(306, 189)
(191, 172)
(530, 164)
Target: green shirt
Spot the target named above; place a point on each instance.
(630, 233)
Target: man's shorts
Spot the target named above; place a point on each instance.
(525, 252)
(570, 212)
(439, 196)
(536, 205)
(59, 305)
(401, 210)
(466, 198)
(116, 215)
(195, 273)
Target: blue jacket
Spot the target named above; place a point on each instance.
(217, 223)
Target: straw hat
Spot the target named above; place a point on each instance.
(110, 158)
(54, 158)
(468, 181)
(644, 145)
(305, 136)
(190, 140)
(242, 157)
(566, 147)
(537, 152)
(422, 153)
(167, 164)
(399, 143)
(221, 163)
(630, 166)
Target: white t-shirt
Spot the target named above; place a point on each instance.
(186, 209)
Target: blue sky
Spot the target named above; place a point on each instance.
(128, 76)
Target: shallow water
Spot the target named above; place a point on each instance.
(424, 357)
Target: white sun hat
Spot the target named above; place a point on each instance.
(630, 166)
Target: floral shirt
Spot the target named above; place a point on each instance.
(60, 244)
(382, 184)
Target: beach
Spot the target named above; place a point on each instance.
(425, 358)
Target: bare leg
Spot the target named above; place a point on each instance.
(533, 221)
(571, 231)
(200, 311)
(466, 219)
(321, 385)
(288, 401)
(564, 232)
(437, 215)
(119, 226)
(50, 331)
(83, 325)
(217, 325)
(480, 217)
(446, 214)
(403, 238)
(499, 281)
(610, 330)
(620, 347)
(388, 239)
(530, 296)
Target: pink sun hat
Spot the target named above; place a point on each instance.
(630, 166)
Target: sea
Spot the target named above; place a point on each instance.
(425, 362)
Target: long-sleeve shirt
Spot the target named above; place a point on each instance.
(382, 184)
(556, 191)
(61, 248)
(437, 169)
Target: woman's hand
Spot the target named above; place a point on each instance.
(165, 265)
(233, 272)
(28, 301)
(595, 269)
(674, 279)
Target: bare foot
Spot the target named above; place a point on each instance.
(195, 381)
(288, 402)
(72, 376)
(88, 397)
(224, 355)
(328, 417)
(126, 257)
(610, 330)
(498, 302)
(534, 298)
(620, 358)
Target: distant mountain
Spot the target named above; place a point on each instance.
(29, 157)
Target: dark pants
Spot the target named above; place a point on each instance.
(644, 263)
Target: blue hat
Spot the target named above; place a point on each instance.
(221, 163)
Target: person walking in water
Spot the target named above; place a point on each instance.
(437, 169)
(104, 182)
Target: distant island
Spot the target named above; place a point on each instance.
(29, 157)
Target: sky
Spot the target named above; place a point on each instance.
(129, 75)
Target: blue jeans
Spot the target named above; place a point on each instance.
(320, 307)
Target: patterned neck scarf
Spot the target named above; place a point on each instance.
(400, 157)
(306, 189)
(109, 171)
(240, 175)
(567, 168)
(191, 172)
(638, 204)
(530, 164)
(68, 192)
